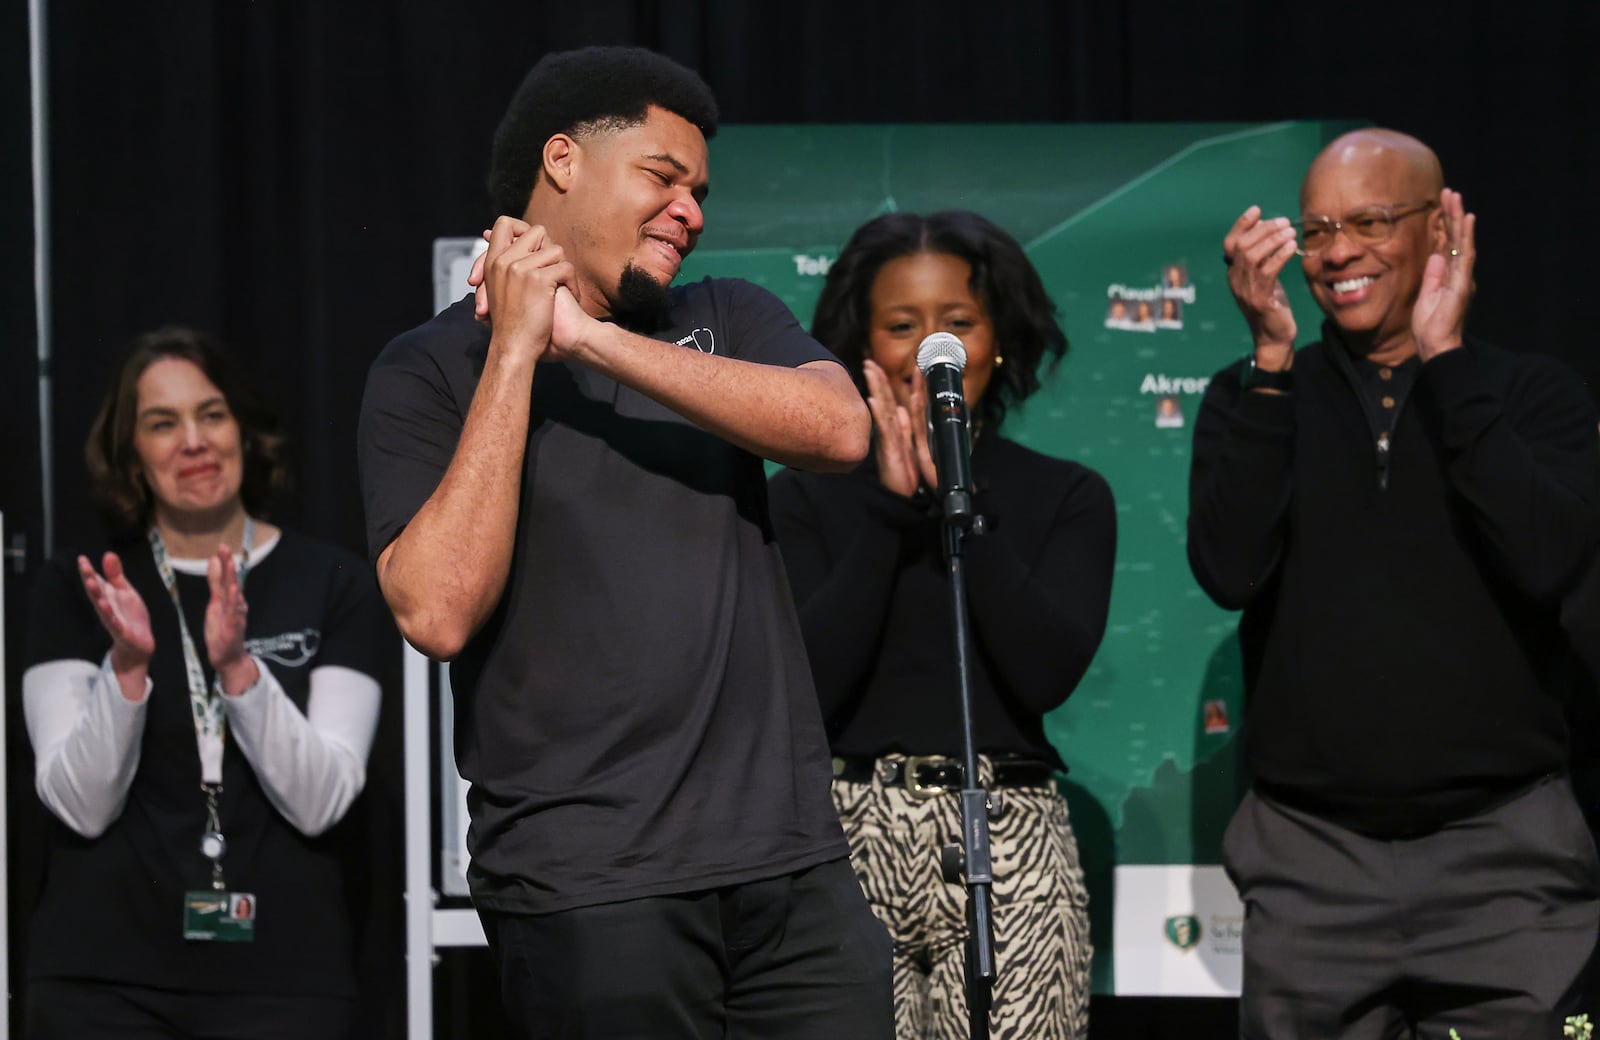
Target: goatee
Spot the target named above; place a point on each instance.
(639, 296)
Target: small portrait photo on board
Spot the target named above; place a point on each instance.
(1118, 313)
(1215, 716)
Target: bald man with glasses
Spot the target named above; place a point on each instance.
(1399, 510)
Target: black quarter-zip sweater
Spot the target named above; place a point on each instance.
(1401, 593)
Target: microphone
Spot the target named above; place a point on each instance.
(941, 357)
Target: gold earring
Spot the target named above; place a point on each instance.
(999, 359)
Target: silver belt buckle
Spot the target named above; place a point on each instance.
(909, 776)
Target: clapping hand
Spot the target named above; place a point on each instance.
(901, 447)
(226, 615)
(1441, 307)
(121, 610)
(1256, 252)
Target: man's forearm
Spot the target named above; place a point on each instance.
(444, 573)
(811, 417)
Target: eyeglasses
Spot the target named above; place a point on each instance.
(1369, 226)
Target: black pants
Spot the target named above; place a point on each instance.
(76, 1009)
(1485, 926)
(788, 958)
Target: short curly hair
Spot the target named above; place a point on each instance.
(117, 483)
(1025, 322)
(589, 90)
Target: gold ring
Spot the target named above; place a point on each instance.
(1455, 252)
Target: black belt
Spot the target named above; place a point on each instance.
(929, 775)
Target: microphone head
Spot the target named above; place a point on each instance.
(941, 348)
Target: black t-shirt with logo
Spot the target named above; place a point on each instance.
(112, 907)
(637, 717)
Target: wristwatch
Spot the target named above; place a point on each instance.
(1256, 378)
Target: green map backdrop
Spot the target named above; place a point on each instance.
(1153, 776)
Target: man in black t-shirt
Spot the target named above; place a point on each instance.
(1399, 510)
(565, 498)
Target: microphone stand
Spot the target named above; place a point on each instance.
(969, 860)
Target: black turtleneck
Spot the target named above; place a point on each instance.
(1401, 570)
(869, 576)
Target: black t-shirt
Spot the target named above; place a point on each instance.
(637, 717)
(112, 908)
(868, 569)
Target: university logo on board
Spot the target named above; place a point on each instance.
(1183, 931)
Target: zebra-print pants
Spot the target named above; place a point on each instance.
(1041, 909)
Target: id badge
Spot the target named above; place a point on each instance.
(213, 916)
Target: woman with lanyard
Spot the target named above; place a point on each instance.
(864, 555)
(201, 700)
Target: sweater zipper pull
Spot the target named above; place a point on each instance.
(1383, 462)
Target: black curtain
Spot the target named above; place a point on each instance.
(276, 172)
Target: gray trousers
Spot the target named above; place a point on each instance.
(1485, 927)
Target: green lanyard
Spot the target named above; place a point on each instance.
(210, 725)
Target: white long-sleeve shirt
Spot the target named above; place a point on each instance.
(86, 737)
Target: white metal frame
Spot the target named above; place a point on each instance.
(427, 926)
(38, 49)
(5, 851)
